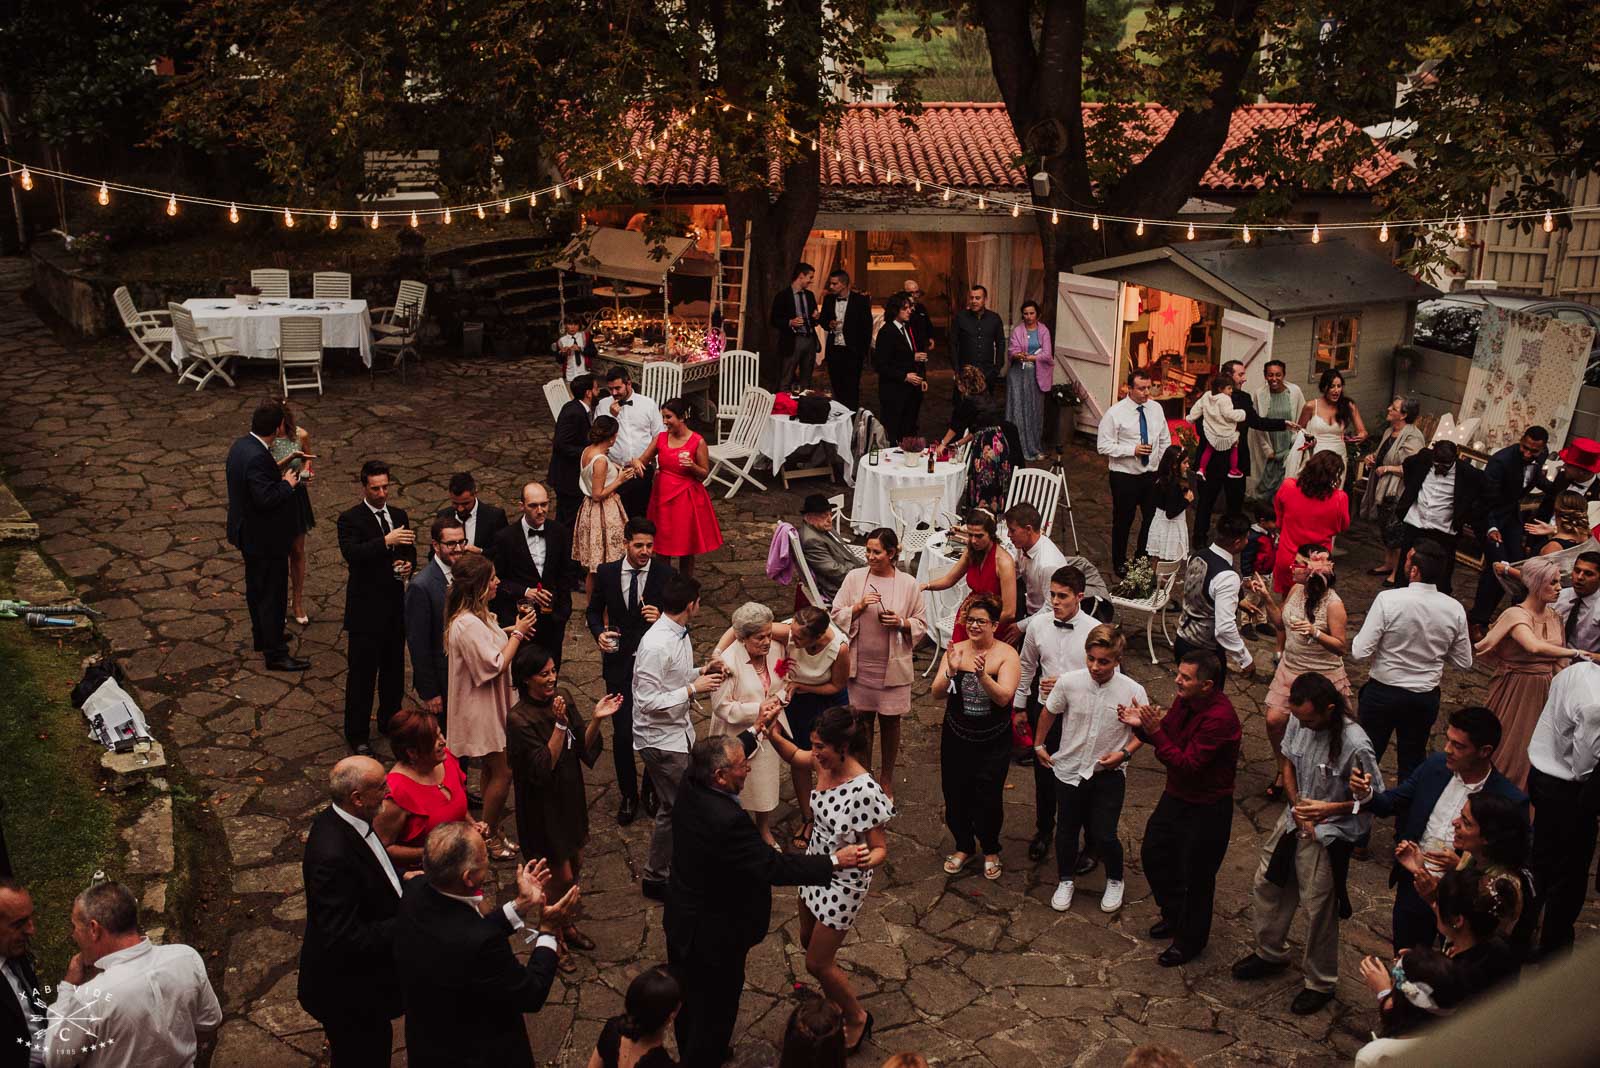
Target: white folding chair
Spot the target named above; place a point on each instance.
(146, 330)
(737, 371)
(556, 394)
(857, 551)
(662, 381)
(910, 505)
(1168, 573)
(300, 350)
(1042, 489)
(272, 281)
(740, 447)
(798, 555)
(208, 356)
(330, 285)
(399, 344)
(412, 295)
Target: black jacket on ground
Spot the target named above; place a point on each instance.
(374, 596)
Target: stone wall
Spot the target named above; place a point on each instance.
(77, 296)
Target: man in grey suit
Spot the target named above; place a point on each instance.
(827, 554)
(425, 603)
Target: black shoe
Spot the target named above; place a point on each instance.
(1309, 1001)
(1161, 929)
(866, 1033)
(1172, 956)
(360, 749)
(627, 811)
(1086, 864)
(1038, 847)
(647, 798)
(1253, 967)
(654, 889)
(287, 663)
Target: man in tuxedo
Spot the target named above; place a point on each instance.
(22, 1027)
(847, 316)
(464, 992)
(379, 548)
(638, 425)
(347, 976)
(533, 558)
(1215, 479)
(719, 897)
(827, 555)
(572, 437)
(1440, 492)
(626, 602)
(262, 524)
(424, 614)
(920, 324)
(1511, 474)
(482, 521)
(794, 321)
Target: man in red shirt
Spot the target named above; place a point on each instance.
(1187, 835)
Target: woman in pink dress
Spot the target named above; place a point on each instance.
(1311, 509)
(680, 507)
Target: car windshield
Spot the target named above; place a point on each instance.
(1448, 326)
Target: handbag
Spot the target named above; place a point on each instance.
(1021, 733)
(812, 408)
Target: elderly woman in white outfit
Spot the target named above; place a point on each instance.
(752, 681)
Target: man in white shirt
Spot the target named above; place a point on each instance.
(1090, 761)
(1562, 786)
(1210, 619)
(665, 683)
(1409, 634)
(1133, 434)
(1038, 559)
(1440, 492)
(638, 422)
(1579, 604)
(148, 1002)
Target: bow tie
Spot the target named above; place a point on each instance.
(536, 532)
(463, 516)
(622, 404)
(1064, 624)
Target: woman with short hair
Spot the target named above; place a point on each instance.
(427, 788)
(1402, 439)
(752, 683)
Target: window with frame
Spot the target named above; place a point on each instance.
(1335, 343)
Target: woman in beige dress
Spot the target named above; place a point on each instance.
(597, 533)
(752, 683)
(480, 655)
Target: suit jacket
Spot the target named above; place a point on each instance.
(1253, 420)
(609, 605)
(1504, 488)
(374, 596)
(572, 437)
(921, 326)
(1469, 488)
(463, 990)
(1421, 791)
(783, 311)
(424, 609)
(1552, 489)
(857, 318)
(262, 515)
(14, 1045)
(827, 557)
(347, 957)
(719, 896)
(892, 354)
(514, 564)
(491, 521)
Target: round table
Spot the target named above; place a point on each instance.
(254, 330)
(870, 509)
(783, 435)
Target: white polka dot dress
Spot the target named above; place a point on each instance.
(842, 816)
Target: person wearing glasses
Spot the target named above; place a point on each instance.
(424, 616)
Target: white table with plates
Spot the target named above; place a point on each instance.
(784, 435)
(870, 509)
(346, 324)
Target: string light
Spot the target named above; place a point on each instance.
(505, 207)
(1246, 235)
(533, 198)
(580, 185)
(727, 107)
(558, 194)
(1140, 228)
(233, 213)
(480, 211)
(333, 221)
(1549, 221)
(1055, 216)
(1383, 232)
(1096, 224)
(447, 216)
(172, 204)
(947, 193)
(1461, 228)
(1190, 234)
(982, 203)
(104, 197)
(1316, 234)
(919, 185)
(27, 179)
(749, 117)
(414, 220)
(1016, 209)
(288, 219)
(374, 220)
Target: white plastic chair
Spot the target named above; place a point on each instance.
(556, 394)
(330, 285)
(1168, 573)
(272, 281)
(910, 505)
(1042, 489)
(412, 295)
(737, 371)
(300, 350)
(208, 357)
(740, 448)
(661, 381)
(146, 330)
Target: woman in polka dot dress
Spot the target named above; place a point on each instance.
(847, 807)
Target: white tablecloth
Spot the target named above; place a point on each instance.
(940, 605)
(345, 324)
(782, 435)
(870, 509)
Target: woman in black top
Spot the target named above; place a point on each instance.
(901, 379)
(637, 1038)
(1471, 905)
(980, 677)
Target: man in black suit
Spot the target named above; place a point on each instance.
(1216, 478)
(424, 612)
(380, 550)
(901, 375)
(1440, 492)
(22, 1027)
(625, 603)
(719, 895)
(347, 978)
(794, 321)
(464, 992)
(533, 558)
(1511, 474)
(482, 521)
(572, 437)
(847, 316)
(262, 524)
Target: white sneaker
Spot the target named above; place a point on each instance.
(1111, 900)
(1061, 900)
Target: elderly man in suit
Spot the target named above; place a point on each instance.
(347, 978)
(22, 1029)
(1441, 493)
(1511, 474)
(262, 524)
(827, 554)
(424, 614)
(380, 550)
(794, 322)
(533, 558)
(482, 521)
(719, 897)
(464, 992)
(571, 438)
(847, 317)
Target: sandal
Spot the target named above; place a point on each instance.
(955, 862)
(577, 939)
(502, 848)
(802, 837)
(566, 963)
(991, 868)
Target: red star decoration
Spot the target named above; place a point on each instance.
(1169, 315)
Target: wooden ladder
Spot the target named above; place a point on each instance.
(732, 283)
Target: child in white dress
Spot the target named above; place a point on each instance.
(1215, 411)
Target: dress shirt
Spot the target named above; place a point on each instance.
(663, 670)
(1050, 651)
(382, 516)
(1583, 632)
(1198, 741)
(638, 423)
(627, 579)
(148, 1002)
(1034, 567)
(1566, 740)
(1318, 778)
(470, 524)
(1409, 633)
(25, 997)
(449, 573)
(1439, 833)
(509, 909)
(538, 548)
(364, 829)
(1434, 508)
(1119, 435)
(1225, 604)
(1089, 725)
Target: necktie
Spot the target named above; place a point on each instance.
(1572, 620)
(1065, 624)
(463, 516)
(1144, 436)
(633, 590)
(383, 520)
(622, 404)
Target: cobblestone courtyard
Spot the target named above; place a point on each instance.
(125, 478)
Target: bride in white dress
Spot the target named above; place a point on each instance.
(1328, 423)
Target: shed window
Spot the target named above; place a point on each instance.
(1336, 338)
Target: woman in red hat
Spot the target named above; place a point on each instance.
(1565, 516)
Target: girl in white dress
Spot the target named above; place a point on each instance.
(1327, 424)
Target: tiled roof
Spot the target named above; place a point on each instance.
(969, 146)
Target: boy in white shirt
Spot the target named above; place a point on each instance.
(1215, 411)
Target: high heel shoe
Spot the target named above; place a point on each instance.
(866, 1033)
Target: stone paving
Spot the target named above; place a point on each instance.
(125, 478)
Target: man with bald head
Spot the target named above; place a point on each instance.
(21, 1024)
(347, 978)
(533, 560)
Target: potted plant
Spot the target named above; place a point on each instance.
(249, 296)
(91, 247)
(912, 447)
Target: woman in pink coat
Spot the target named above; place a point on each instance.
(1030, 372)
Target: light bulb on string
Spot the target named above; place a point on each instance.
(1055, 217)
(982, 204)
(172, 204)
(233, 213)
(1245, 233)
(918, 184)
(1461, 228)
(837, 158)
(727, 107)
(1549, 221)
(1316, 233)
(505, 207)
(374, 223)
(1140, 228)
(1383, 232)
(288, 220)
(533, 199)
(26, 179)
(861, 166)
(333, 221)
(947, 193)
(415, 222)
(580, 184)
(104, 196)
(480, 211)
(1096, 224)
(793, 138)
(558, 192)
(447, 216)
(1190, 234)
(1016, 208)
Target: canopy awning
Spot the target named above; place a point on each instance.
(624, 255)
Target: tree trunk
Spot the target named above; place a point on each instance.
(16, 196)
(778, 232)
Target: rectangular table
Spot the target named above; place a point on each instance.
(346, 324)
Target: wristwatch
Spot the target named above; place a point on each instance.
(1126, 756)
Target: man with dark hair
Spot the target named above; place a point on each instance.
(22, 1027)
(424, 615)
(533, 560)
(1038, 559)
(847, 316)
(263, 520)
(1563, 786)
(1511, 474)
(1186, 837)
(379, 548)
(978, 338)
(1132, 436)
(794, 321)
(626, 603)
(1579, 604)
(482, 521)
(1215, 480)
(566, 450)
(1441, 492)
(1210, 619)
(638, 423)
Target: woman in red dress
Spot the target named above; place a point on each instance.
(1311, 509)
(989, 570)
(426, 788)
(680, 507)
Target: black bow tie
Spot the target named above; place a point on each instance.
(463, 516)
(536, 532)
(622, 404)
(1064, 624)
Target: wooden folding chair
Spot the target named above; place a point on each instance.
(211, 354)
(146, 329)
(300, 350)
(740, 447)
